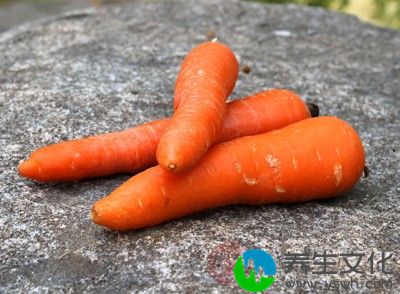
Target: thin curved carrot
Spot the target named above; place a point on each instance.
(126, 151)
(206, 79)
(311, 159)
(107, 154)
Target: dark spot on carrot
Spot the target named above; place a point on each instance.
(246, 69)
(210, 35)
(366, 171)
(314, 109)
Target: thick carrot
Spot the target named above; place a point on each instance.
(206, 79)
(111, 153)
(311, 159)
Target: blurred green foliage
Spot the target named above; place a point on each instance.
(322, 3)
(381, 12)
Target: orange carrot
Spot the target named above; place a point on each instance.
(263, 112)
(311, 159)
(126, 151)
(206, 79)
(111, 153)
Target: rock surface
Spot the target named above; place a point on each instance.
(106, 69)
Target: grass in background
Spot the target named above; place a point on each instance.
(381, 12)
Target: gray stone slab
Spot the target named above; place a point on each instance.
(110, 68)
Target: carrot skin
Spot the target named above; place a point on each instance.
(203, 61)
(262, 112)
(107, 154)
(194, 127)
(126, 151)
(207, 77)
(312, 159)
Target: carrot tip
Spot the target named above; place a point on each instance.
(93, 214)
(26, 168)
(211, 35)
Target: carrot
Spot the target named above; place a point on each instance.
(111, 153)
(206, 79)
(126, 151)
(311, 159)
(263, 112)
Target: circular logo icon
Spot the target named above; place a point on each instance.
(259, 275)
(221, 260)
